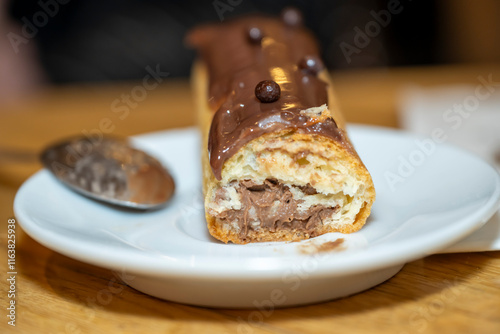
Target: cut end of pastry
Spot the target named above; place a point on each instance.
(289, 186)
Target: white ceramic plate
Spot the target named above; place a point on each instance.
(442, 195)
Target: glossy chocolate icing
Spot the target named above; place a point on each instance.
(236, 64)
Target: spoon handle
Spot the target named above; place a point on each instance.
(17, 156)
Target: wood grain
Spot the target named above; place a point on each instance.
(452, 293)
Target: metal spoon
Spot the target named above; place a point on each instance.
(111, 171)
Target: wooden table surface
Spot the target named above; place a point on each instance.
(453, 293)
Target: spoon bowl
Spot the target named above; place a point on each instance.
(110, 170)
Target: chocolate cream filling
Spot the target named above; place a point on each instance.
(271, 206)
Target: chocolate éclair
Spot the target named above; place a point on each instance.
(269, 119)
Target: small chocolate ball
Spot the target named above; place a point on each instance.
(291, 16)
(311, 64)
(267, 91)
(255, 35)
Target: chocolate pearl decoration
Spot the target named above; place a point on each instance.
(311, 64)
(267, 91)
(291, 16)
(255, 35)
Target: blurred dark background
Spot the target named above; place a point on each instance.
(63, 41)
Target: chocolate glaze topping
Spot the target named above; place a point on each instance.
(236, 65)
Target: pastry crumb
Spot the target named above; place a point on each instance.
(314, 247)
